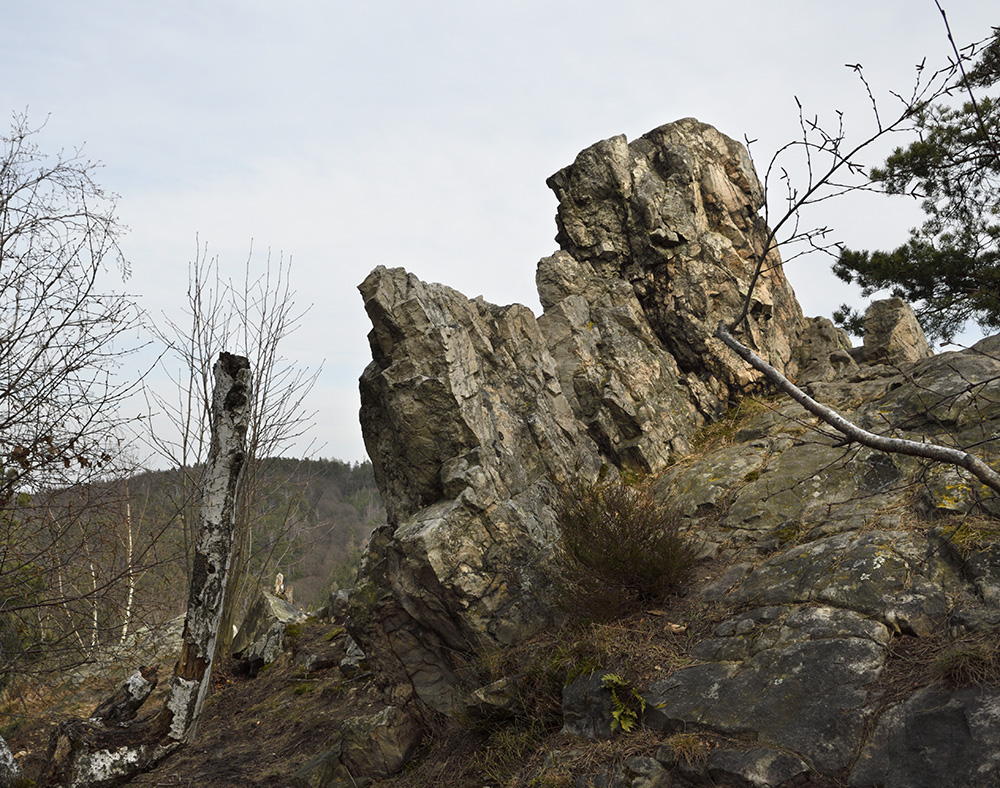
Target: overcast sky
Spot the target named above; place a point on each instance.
(420, 134)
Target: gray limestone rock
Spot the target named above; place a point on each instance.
(898, 578)
(354, 661)
(471, 412)
(892, 334)
(822, 354)
(938, 737)
(261, 636)
(377, 745)
(800, 679)
(586, 707)
(369, 748)
(674, 214)
(757, 768)
(618, 378)
(499, 699)
(474, 413)
(465, 421)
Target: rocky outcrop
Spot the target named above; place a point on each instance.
(463, 409)
(368, 748)
(473, 414)
(844, 572)
(892, 334)
(261, 636)
(675, 215)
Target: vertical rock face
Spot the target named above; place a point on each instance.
(472, 412)
(674, 214)
(468, 429)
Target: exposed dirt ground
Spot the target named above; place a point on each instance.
(260, 731)
(253, 732)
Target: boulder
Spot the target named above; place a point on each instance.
(354, 661)
(368, 748)
(261, 637)
(893, 335)
(823, 353)
(799, 678)
(587, 706)
(500, 699)
(377, 745)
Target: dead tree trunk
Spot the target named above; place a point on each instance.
(10, 772)
(85, 754)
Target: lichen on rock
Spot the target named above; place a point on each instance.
(473, 414)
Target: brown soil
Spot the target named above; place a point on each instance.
(254, 731)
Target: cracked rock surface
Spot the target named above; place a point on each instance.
(829, 555)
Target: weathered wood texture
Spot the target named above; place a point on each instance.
(88, 754)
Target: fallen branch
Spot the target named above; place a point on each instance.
(929, 451)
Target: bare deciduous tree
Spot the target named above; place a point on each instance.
(66, 326)
(253, 317)
(833, 169)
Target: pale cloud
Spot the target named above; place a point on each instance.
(349, 135)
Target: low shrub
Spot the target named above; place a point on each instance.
(621, 548)
(690, 748)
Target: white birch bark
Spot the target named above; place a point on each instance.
(10, 772)
(213, 553)
(88, 755)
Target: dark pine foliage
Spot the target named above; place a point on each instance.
(950, 266)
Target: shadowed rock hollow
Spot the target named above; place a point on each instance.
(473, 412)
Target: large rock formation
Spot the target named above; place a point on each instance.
(471, 411)
(474, 413)
(464, 417)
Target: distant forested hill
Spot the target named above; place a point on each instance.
(310, 523)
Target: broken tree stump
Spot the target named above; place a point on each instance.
(85, 754)
(120, 709)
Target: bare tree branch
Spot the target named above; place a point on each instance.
(852, 432)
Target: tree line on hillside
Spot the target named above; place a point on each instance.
(84, 566)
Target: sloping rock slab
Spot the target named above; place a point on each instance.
(936, 738)
(898, 577)
(806, 685)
